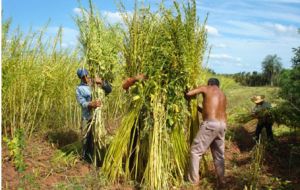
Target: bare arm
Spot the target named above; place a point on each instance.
(196, 91)
(130, 81)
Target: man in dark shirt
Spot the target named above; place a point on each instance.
(261, 111)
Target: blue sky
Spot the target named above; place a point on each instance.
(241, 32)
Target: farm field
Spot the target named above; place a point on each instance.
(52, 159)
(119, 106)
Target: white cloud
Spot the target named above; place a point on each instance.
(113, 17)
(251, 30)
(69, 35)
(220, 45)
(77, 11)
(212, 30)
(270, 10)
(225, 58)
(286, 30)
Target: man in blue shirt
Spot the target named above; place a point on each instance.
(84, 98)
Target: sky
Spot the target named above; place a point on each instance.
(241, 33)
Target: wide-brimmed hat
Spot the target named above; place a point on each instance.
(258, 99)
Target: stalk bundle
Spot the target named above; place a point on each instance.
(151, 144)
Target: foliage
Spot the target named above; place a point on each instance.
(99, 43)
(37, 82)
(151, 143)
(100, 48)
(16, 147)
(290, 91)
(256, 163)
(271, 67)
(290, 81)
(64, 159)
(250, 79)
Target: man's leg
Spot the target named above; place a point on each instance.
(200, 144)
(90, 146)
(269, 131)
(258, 131)
(217, 149)
(86, 140)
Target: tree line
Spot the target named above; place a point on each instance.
(270, 75)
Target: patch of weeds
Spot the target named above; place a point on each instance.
(205, 184)
(62, 159)
(91, 181)
(255, 170)
(282, 130)
(28, 181)
(16, 146)
(279, 184)
(62, 186)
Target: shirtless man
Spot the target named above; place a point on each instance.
(212, 130)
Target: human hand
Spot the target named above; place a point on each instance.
(95, 104)
(98, 81)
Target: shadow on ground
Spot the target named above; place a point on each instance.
(62, 138)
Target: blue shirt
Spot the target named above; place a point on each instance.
(84, 96)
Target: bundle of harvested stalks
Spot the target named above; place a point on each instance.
(151, 144)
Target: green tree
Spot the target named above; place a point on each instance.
(291, 82)
(290, 90)
(272, 67)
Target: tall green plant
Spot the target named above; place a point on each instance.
(37, 82)
(257, 156)
(100, 48)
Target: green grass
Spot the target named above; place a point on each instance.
(239, 104)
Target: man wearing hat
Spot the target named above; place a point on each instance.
(84, 98)
(261, 111)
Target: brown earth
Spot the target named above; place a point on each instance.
(39, 172)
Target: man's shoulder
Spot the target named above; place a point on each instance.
(82, 87)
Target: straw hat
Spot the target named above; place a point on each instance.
(258, 99)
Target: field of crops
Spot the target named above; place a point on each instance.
(142, 135)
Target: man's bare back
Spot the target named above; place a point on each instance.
(214, 102)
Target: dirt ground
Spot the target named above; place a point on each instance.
(42, 173)
(38, 155)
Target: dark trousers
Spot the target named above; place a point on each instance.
(88, 147)
(268, 127)
(87, 141)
